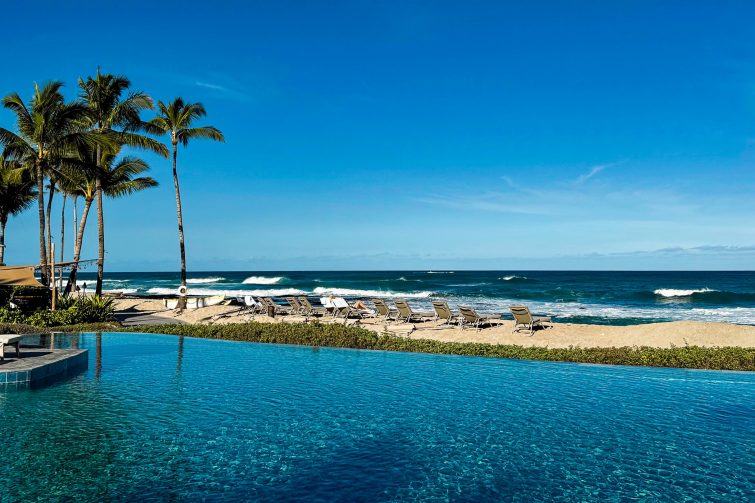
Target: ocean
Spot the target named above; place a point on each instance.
(592, 297)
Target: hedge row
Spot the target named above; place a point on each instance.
(340, 336)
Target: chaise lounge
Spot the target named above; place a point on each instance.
(9, 340)
(523, 319)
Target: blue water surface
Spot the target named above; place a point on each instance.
(602, 297)
(159, 417)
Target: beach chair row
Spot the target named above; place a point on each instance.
(338, 307)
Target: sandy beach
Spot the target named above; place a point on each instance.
(561, 335)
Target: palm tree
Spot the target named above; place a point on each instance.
(47, 128)
(116, 115)
(16, 194)
(118, 177)
(175, 119)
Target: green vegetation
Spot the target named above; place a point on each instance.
(75, 145)
(71, 311)
(339, 336)
(174, 119)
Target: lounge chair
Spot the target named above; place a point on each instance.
(277, 308)
(296, 308)
(406, 313)
(309, 310)
(470, 317)
(523, 319)
(330, 308)
(9, 340)
(443, 312)
(343, 308)
(385, 311)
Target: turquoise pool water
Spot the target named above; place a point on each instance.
(165, 418)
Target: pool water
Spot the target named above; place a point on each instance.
(157, 417)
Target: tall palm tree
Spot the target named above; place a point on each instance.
(16, 194)
(47, 128)
(175, 119)
(114, 112)
(118, 177)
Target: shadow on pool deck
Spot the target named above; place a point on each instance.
(134, 317)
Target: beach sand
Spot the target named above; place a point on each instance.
(561, 335)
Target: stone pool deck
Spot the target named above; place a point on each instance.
(38, 365)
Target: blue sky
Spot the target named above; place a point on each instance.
(379, 135)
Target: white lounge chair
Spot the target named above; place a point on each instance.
(470, 317)
(9, 340)
(406, 313)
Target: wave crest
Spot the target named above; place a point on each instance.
(347, 292)
(261, 280)
(672, 292)
(273, 292)
(201, 281)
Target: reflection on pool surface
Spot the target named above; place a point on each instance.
(163, 417)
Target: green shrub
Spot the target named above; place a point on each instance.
(78, 311)
(340, 336)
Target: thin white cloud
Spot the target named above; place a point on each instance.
(592, 172)
(210, 85)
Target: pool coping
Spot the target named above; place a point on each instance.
(41, 364)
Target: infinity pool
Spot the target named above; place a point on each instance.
(167, 418)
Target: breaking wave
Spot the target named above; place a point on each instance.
(672, 292)
(273, 292)
(347, 292)
(201, 281)
(262, 280)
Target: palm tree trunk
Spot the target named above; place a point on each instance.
(41, 208)
(100, 226)
(182, 298)
(3, 221)
(62, 236)
(48, 217)
(75, 219)
(77, 247)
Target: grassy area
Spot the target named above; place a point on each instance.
(339, 336)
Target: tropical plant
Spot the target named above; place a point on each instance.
(114, 114)
(48, 128)
(175, 119)
(16, 194)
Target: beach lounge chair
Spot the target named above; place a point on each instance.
(470, 317)
(9, 340)
(385, 311)
(443, 312)
(296, 308)
(343, 308)
(277, 308)
(405, 313)
(523, 319)
(309, 310)
(330, 308)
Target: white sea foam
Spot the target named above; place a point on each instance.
(262, 280)
(202, 281)
(348, 292)
(671, 292)
(274, 292)
(509, 278)
(127, 291)
(440, 272)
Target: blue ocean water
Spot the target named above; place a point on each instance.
(178, 419)
(569, 296)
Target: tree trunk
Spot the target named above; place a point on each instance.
(100, 226)
(41, 208)
(75, 220)
(182, 298)
(48, 217)
(3, 221)
(62, 236)
(77, 247)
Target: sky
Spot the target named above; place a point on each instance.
(420, 135)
